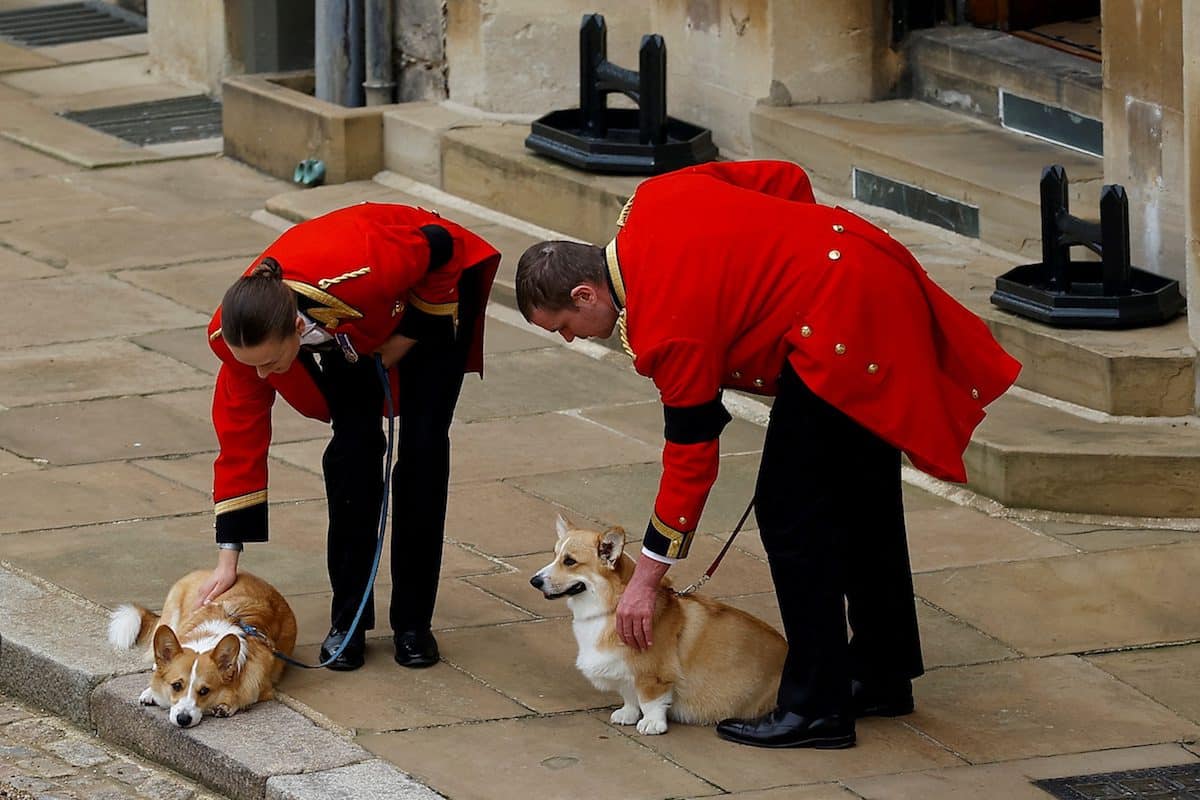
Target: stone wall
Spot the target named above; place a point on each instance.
(419, 33)
(1144, 126)
(723, 56)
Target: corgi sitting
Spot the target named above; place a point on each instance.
(216, 659)
(709, 661)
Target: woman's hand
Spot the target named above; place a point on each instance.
(224, 576)
(394, 349)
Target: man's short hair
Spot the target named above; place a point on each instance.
(548, 271)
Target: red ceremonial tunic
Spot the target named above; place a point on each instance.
(728, 269)
(358, 271)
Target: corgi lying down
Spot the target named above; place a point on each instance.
(709, 661)
(216, 659)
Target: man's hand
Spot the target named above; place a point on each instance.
(394, 349)
(635, 612)
(224, 576)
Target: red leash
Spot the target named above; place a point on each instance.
(713, 567)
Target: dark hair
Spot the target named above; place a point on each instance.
(548, 271)
(258, 307)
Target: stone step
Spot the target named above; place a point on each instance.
(985, 178)
(966, 69)
(1027, 455)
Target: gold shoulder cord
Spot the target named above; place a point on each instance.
(624, 330)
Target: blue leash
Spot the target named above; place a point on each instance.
(250, 630)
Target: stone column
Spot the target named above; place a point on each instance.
(1144, 126)
(188, 41)
(1191, 149)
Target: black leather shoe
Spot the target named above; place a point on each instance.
(882, 698)
(352, 657)
(786, 729)
(416, 649)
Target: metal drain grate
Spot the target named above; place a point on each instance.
(180, 119)
(1157, 783)
(70, 22)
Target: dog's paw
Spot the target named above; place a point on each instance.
(652, 727)
(223, 711)
(626, 715)
(146, 698)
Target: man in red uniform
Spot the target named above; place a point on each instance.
(731, 276)
(311, 313)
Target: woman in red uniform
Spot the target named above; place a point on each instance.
(306, 322)
(731, 276)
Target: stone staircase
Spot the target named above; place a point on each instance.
(1103, 422)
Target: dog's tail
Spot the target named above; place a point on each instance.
(130, 625)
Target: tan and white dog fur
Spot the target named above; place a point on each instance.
(709, 661)
(204, 661)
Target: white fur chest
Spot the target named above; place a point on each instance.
(604, 666)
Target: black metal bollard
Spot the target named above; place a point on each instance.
(599, 139)
(1085, 294)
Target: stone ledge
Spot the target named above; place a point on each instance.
(53, 647)
(272, 122)
(236, 756)
(1027, 455)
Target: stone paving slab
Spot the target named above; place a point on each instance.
(46, 195)
(288, 483)
(185, 188)
(97, 49)
(50, 646)
(236, 756)
(17, 162)
(14, 58)
(368, 780)
(1117, 598)
(189, 345)
(575, 754)
(499, 519)
(1038, 707)
(1167, 674)
(577, 383)
(198, 285)
(958, 537)
(125, 238)
(73, 79)
(531, 662)
(884, 746)
(43, 130)
(383, 696)
(1011, 780)
(101, 430)
(513, 587)
(11, 462)
(17, 267)
(70, 300)
(90, 493)
(822, 791)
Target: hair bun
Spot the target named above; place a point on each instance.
(269, 268)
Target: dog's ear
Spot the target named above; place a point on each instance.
(561, 526)
(612, 542)
(166, 646)
(225, 654)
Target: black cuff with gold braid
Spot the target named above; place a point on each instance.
(664, 540)
(695, 424)
(242, 519)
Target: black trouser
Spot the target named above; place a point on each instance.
(831, 517)
(430, 377)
